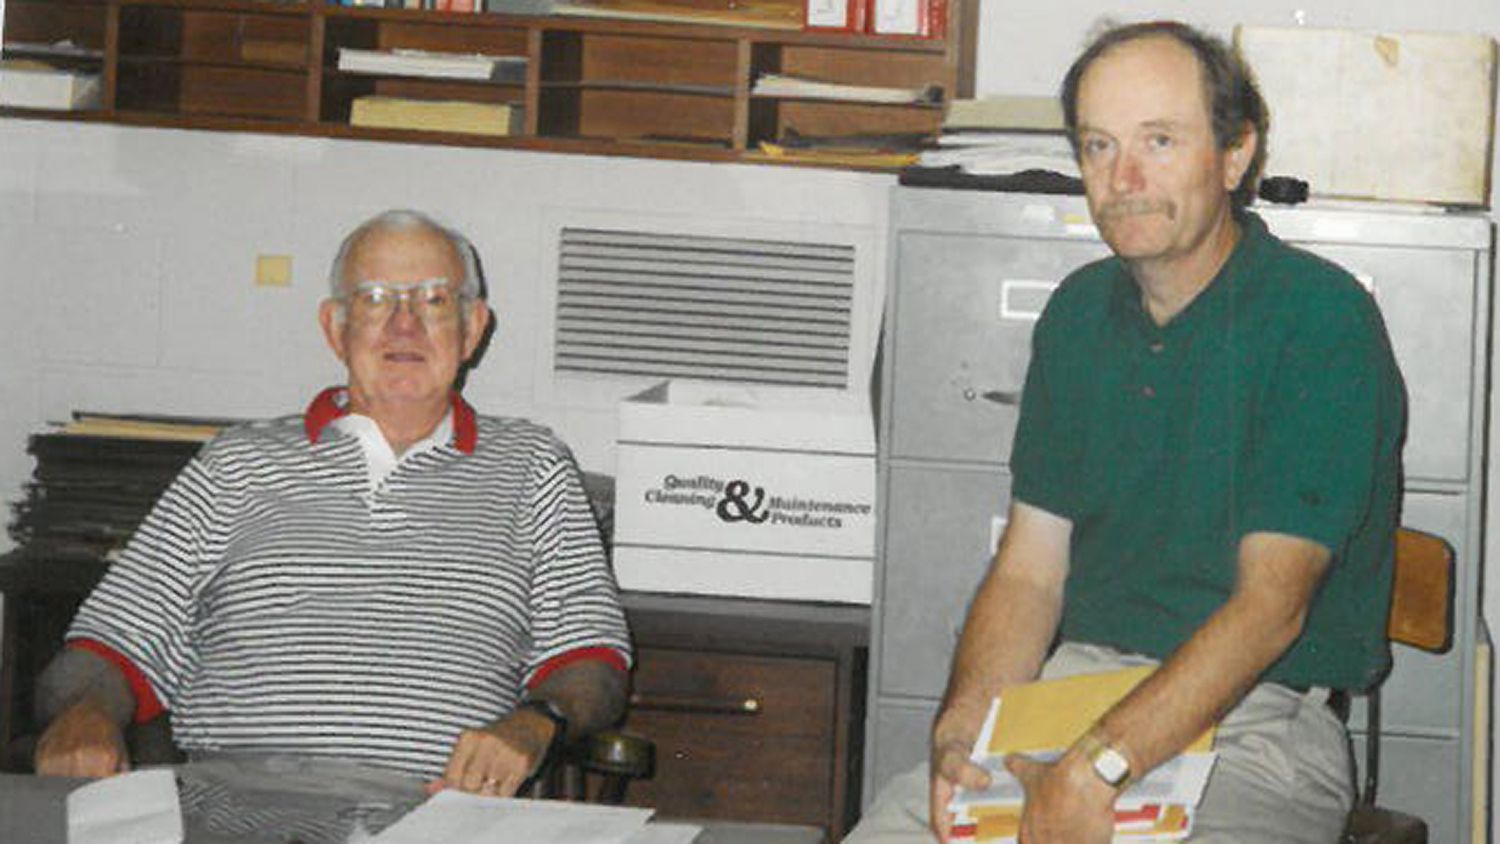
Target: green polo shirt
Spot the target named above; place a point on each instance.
(1271, 403)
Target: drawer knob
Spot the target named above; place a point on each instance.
(707, 706)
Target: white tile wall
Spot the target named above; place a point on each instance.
(127, 257)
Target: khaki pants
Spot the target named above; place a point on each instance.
(1283, 773)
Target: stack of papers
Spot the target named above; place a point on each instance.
(135, 808)
(779, 85)
(999, 153)
(32, 84)
(478, 67)
(454, 817)
(1042, 720)
(1003, 136)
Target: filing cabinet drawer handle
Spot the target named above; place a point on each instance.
(748, 706)
(1006, 397)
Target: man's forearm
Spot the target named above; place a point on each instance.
(1013, 618)
(1004, 641)
(591, 693)
(76, 675)
(1222, 660)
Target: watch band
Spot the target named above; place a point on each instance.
(552, 712)
(1106, 760)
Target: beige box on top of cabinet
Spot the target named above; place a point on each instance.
(1376, 115)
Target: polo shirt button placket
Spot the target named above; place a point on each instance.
(1155, 348)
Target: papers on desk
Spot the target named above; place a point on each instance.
(665, 833)
(135, 808)
(454, 817)
(1042, 720)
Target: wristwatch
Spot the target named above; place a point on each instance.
(1109, 764)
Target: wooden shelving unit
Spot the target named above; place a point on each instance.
(594, 85)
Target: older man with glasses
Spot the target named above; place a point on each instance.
(387, 577)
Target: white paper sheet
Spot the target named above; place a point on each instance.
(665, 833)
(454, 817)
(135, 808)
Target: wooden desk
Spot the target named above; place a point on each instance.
(756, 707)
(33, 810)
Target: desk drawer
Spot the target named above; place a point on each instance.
(735, 694)
(737, 737)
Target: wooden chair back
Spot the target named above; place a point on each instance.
(1422, 592)
(1421, 616)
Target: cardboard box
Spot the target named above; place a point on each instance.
(756, 493)
(1385, 116)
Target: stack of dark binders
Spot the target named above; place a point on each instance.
(95, 480)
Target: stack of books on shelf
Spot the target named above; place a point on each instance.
(1005, 143)
(1042, 720)
(97, 477)
(475, 67)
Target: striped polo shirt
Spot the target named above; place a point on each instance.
(279, 598)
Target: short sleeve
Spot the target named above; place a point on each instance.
(575, 604)
(1048, 443)
(1331, 417)
(145, 606)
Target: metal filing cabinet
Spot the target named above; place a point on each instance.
(970, 272)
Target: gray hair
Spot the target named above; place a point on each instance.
(401, 219)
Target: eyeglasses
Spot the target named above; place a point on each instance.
(431, 300)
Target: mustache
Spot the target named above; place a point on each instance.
(1133, 207)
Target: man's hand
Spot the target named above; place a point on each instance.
(1066, 803)
(952, 741)
(82, 741)
(495, 759)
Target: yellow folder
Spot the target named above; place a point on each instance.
(1052, 714)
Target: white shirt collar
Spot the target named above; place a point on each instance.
(380, 458)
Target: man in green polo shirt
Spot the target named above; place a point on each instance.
(1206, 475)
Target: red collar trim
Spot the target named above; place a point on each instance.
(333, 403)
(325, 407)
(465, 429)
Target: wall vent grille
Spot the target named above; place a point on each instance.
(719, 308)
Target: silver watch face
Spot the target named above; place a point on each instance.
(1111, 766)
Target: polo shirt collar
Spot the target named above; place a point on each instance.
(333, 403)
(1212, 299)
